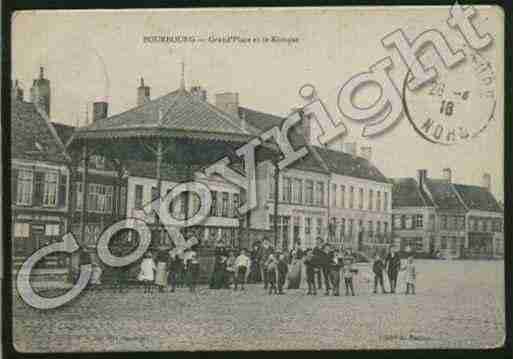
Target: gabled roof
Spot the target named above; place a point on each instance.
(32, 136)
(444, 195)
(345, 164)
(478, 198)
(177, 111)
(406, 193)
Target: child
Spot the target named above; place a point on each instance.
(310, 273)
(335, 262)
(411, 275)
(378, 267)
(271, 267)
(349, 271)
(230, 269)
(193, 270)
(147, 275)
(283, 269)
(242, 264)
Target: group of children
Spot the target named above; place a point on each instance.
(230, 270)
(379, 267)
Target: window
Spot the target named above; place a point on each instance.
(319, 193)
(385, 204)
(378, 227)
(309, 192)
(333, 195)
(138, 203)
(109, 194)
(52, 230)
(351, 226)
(371, 199)
(360, 199)
(444, 222)
(287, 190)
(385, 227)
(408, 222)
(342, 196)
(79, 195)
(308, 225)
(21, 230)
(378, 201)
(333, 227)
(225, 204)
(419, 221)
(342, 228)
(24, 187)
(443, 243)
(371, 228)
(297, 191)
(50, 189)
(319, 227)
(351, 197)
(98, 161)
(235, 206)
(271, 184)
(213, 207)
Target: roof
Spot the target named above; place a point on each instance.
(178, 113)
(444, 195)
(64, 131)
(478, 198)
(406, 193)
(345, 164)
(32, 136)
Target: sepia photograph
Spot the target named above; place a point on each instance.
(235, 179)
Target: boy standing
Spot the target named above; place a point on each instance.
(271, 270)
(411, 276)
(310, 273)
(378, 267)
(230, 269)
(242, 264)
(348, 274)
(283, 269)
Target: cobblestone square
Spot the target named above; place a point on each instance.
(459, 304)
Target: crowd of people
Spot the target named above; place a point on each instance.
(324, 266)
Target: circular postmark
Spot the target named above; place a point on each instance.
(457, 106)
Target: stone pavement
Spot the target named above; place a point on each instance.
(459, 304)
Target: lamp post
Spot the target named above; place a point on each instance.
(276, 198)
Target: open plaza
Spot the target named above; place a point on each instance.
(459, 304)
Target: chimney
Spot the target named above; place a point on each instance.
(366, 152)
(143, 93)
(40, 92)
(100, 110)
(421, 177)
(228, 102)
(199, 92)
(350, 147)
(17, 92)
(447, 174)
(487, 181)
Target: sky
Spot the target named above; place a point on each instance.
(101, 55)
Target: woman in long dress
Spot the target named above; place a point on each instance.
(147, 275)
(295, 269)
(161, 276)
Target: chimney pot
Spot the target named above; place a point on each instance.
(41, 72)
(199, 92)
(421, 176)
(487, 181)
(447, 174)
(100, 110)
(143, 93)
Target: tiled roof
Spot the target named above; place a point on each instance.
(32, 136)
(406, 193)
(179, 110)
(64, 131)
(478, 198)
(346, 164)
(444, 195)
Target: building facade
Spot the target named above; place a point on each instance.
(437, 216)
(40, 182)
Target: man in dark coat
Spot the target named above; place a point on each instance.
(320, 262)
(265, 251)
(393, 265)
